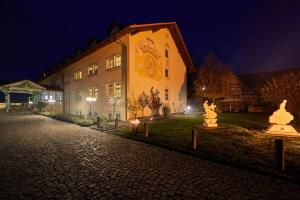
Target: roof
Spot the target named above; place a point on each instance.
(258, 80)
(24, 86)
(52, 88)
(133, 29)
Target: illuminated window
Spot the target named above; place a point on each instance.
(78, 75)
(166, 94)
(110, 90)
(93, 92)
(166, 73)
(117, 61)
(93, 69)
(113, 62)
(118, 90)
(110, 63)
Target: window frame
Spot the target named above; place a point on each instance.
(167, 96)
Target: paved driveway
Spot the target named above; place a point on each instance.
(41, 158)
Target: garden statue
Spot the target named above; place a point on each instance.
(280, 120)
(210, 116)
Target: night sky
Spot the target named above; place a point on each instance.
(251, 36)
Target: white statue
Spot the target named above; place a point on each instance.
(279, 121)
(210, 116)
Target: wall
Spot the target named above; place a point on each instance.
(99, 81)
(147, 64)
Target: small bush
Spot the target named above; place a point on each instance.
(166, 110)
(79, 120)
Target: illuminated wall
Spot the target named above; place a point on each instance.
(151, 53)
(146, 62)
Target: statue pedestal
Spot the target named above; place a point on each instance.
(210, 123)
(281, 129)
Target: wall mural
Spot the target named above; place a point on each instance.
(148, 59)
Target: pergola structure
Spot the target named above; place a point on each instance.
(25, 87)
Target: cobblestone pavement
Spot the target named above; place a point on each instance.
(41, 158)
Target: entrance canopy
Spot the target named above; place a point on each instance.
(26, 86)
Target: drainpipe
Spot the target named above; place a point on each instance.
(124, 69)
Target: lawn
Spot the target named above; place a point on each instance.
(239, 141)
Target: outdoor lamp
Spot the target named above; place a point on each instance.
(90, 100)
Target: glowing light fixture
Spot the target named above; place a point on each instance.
(91, 99)
(136, 121)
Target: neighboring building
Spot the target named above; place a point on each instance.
(129, 62)
(246, 88)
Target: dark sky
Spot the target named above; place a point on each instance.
(251, 35)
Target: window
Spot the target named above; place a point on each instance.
(93, 69)
(166, 94)
(113, 62)
(166, 53)
(45, 96)
(114, 90)
(118, 90)
(58, 82)
(110, 90)
(78, 95)
(68, 95)
(117, 61)
(93, 92)
(78, 75)
(67, 78)
(110, 63)
(166, 73)
(118, 116)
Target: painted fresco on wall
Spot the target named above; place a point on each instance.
(148, 59)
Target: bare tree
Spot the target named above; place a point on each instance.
(143, 101)
(283, 87)
(154, 103)
(114, 101)
(213, 79)
(133, 106)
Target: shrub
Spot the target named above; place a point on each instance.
(41, 106)
(166, 110)
(79, 120)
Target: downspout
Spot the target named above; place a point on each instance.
(124, 69)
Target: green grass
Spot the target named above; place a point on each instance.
(239, 141)
(81, 121)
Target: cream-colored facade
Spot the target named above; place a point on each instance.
(131, 62)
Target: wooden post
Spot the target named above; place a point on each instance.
(7, 102)
(116, 123)
(194, 138)
(146, 129)
(279, 155)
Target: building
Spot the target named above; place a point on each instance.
(245, 92)
(100, 80)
